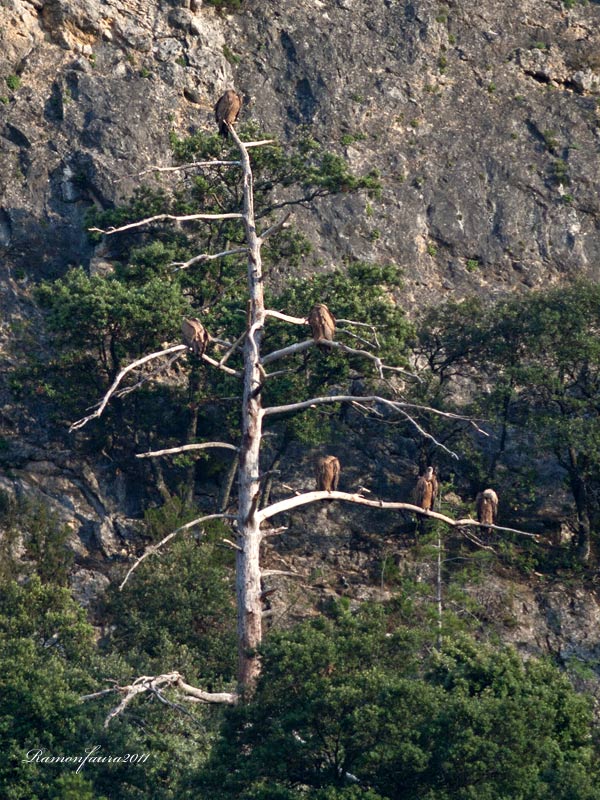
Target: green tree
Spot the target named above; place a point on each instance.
(179, 610)
(344, 709)
(534, 364)
(101, 323)
(49, 659)
(44, 642)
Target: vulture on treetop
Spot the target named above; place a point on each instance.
(426, 490)
(487, 507)
(227, 110)
(327, 473)
(195, 335)
(322, 323)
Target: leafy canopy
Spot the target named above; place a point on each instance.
(345, 709)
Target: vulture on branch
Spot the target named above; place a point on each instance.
(195, 336)
(487, 508)
(227, 110)
(426, 490)
(327, 473)
(322, 323)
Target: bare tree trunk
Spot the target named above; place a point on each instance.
(248, 587)
(499, 452)
(228, 485)
(439, 591)
(579, 491)
(192, 431)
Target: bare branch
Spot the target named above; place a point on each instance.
(275, 531)
(218, 365)
(161, 217)
(274, 228)
(231, 544)
(477, 541)
(397, 405)
(145, 378)
(179, 168)
(286, 317)
(186, 448)
(101, 693)
(428, 435)
(233, 348)
(207, 257)
(259, 143)
(354, 336)
(313, 497)
(80, 423)
(230, 698)
(300, 347)
(156, 547)
(279, 372)
(156, 684)
(355, 322)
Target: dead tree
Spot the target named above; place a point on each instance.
(248, 521)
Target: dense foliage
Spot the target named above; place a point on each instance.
(347, 709)
(348, 706)
(356, 707)
(177, 615)
(532, 365)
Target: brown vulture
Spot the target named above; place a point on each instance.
(227, 110)
(327, 473)
(426, 490)
(487, 508)
(195, 335)
(322, 323)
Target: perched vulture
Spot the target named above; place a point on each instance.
(322, 323)
(327, 473)
(227, 110)
(487, 507)
(426, 490)
(195, 336)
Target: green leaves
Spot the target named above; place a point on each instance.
(177, 610)
(533, 365)
(115, 319)
(344, 709)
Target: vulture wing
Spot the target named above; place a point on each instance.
(322, 322)
(195, 335)
(421, 492)
(227, 110)
(335, 478)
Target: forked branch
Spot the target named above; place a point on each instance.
(103, 403)
(155, 685)
(398, 406)
(300, 347)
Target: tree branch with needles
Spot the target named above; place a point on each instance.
(156, 547)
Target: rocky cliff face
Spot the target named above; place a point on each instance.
(483, 121)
